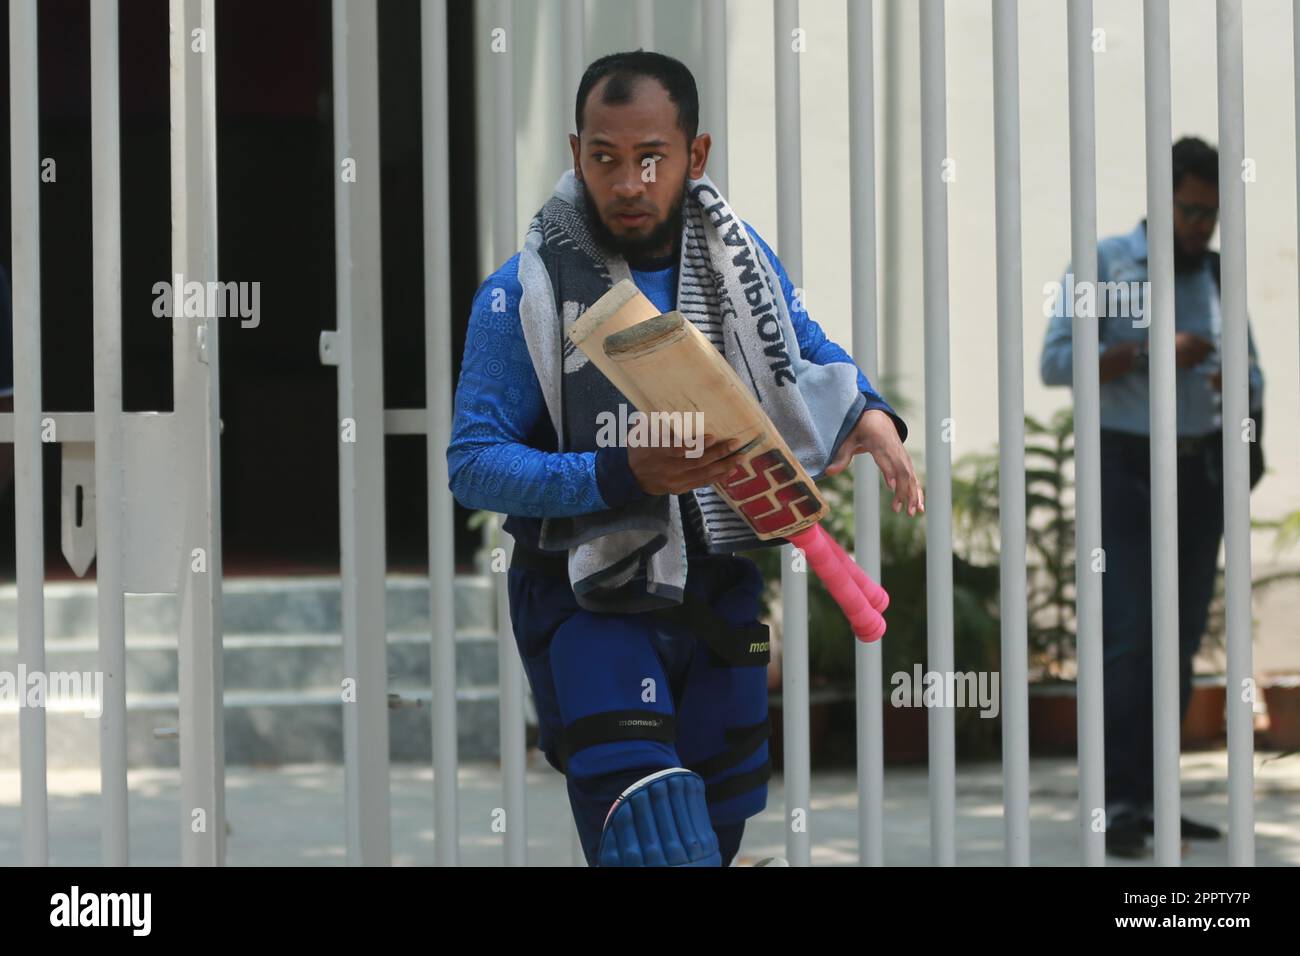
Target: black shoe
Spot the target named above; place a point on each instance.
(1126, 837)
(1191, 830)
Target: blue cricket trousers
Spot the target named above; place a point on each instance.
(584, 666)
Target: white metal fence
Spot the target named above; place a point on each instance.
(155, 533)
(151, 480)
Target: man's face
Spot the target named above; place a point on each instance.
(1196, 209)
(634, 160)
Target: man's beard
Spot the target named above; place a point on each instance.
(1184, 263)
(634, 248)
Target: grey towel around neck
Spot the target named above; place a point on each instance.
(633, 557)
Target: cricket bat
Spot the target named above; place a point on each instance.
(663, 363)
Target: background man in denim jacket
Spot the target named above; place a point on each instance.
(1125, 477)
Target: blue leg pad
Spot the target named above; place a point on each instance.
(661, 820)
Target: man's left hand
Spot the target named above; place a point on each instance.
(875, 434)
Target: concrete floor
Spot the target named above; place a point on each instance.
(293, 815)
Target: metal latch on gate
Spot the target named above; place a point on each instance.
(78, 506)
(329, 348)
(152, 507)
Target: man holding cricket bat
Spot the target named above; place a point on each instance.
(649, 673)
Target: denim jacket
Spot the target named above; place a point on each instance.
(1122, 260)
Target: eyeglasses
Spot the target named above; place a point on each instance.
(1195, 212)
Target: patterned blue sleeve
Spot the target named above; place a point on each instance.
(500, 412)
(816, 346)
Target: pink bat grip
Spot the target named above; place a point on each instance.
(877, 595)
(826, 560)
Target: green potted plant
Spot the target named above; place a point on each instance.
(1050, 582)
(1282, 691)
(1049, 456)
(831, 642)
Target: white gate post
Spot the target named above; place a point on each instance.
(1236, 454)
(868, 701)
(1087, 435)
(359, 356)
(106, 213)
(1011, 434)
(795, 715)
(29, 495)
(197, 409)
(438, 400)
(941, 721)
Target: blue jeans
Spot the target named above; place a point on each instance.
(1127, 598)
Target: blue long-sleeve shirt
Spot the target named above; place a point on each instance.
(502, 456)
(1124, 401)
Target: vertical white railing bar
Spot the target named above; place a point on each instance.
(713, 15)
(644, 27)
(361, 423)
(1236, 454)
(511, 676)
(869, 716)
(106, 215)
(193, 99)
(1087, 438)
(794, 584)
(938, 422)
(29, 496)
(891, 155)
(1011, 433)
(438, 400)
(514, 753)
(1163, 429)
(573, 37)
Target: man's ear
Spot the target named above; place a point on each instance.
(700, 154)
(576, 147)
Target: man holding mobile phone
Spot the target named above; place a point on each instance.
(1125, 478)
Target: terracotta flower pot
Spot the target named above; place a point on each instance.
(906, 734)
(1205, 726)
(1282, 698)
(1053, 718)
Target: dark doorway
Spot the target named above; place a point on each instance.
(276, 226)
